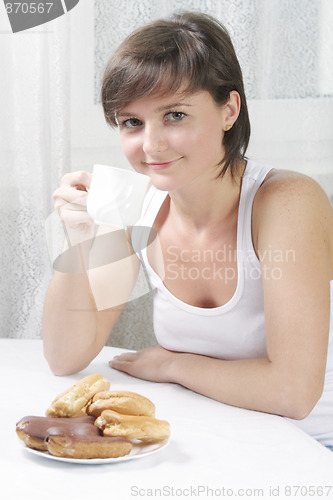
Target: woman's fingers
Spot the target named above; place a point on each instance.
(70, 201)
(80, 180)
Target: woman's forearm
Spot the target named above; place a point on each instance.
(69, 324)
(81, 308)
(254, 384)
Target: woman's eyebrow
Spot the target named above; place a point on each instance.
(125, 114)
(170, 106)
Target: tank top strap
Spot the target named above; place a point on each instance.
(253, 178)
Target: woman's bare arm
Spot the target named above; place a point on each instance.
(81, 307)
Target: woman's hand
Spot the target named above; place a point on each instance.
(70, 201)
(151, 364)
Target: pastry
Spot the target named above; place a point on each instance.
(85, 442)
(73, 401)
(34, 430)
(134, 427)
(90, 421)
(125, 402)
(75, 437)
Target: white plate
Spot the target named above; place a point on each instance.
(138, 451)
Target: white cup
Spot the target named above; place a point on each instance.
(116, 195)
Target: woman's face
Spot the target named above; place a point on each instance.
(174, 139)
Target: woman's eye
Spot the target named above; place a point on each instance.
(131, 123)
(175, 115)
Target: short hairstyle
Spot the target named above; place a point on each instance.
(191, 49)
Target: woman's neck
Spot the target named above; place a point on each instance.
(205, 206)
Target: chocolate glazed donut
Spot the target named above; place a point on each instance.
(75, 437)
(33, 430)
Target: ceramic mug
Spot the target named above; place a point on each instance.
(116, 195)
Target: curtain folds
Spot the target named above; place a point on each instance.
(35, 153)
(284, 46)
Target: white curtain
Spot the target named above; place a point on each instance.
(34, 154)
(285, 48)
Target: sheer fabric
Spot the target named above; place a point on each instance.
(34, 151)
(283, 45)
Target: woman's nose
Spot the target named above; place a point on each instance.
(153, 140)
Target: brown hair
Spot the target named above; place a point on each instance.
(189, 48)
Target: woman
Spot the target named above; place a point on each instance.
(242, 307)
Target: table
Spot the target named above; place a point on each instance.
(215, 451)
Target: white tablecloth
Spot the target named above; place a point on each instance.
(215, 450)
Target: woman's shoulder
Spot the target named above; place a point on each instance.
(290, 188)
(289, 197)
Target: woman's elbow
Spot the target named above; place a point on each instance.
(299, 403)
(299, 412)
(62, 367)
(63, 371)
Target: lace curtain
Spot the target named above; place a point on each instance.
(284, 47)
(34, 152)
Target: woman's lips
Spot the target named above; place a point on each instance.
(162, 165)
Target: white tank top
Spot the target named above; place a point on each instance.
(235, 330)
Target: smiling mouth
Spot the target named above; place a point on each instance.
(162, 165)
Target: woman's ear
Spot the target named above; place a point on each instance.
(231, 110)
